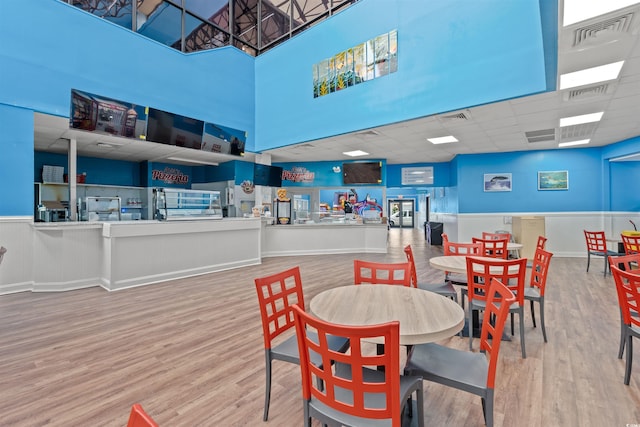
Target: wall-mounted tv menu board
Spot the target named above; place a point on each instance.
(101, 114)
(269, 176)
(362, 173)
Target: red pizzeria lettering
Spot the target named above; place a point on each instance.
(170, 176)
(296, 176)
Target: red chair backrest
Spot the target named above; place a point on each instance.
(629, 262)
(414, 274)
(454, 248)
(359, 356)
(494, 248)
(628, 289)
(542, 241)
(480, 271)
(276, 294)
(631, 244)
(499, 299)
(139, 418)
(381, 273)
(596, 241)
(539, 270)
(496, 236)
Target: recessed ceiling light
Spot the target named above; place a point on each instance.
(579, 120)
(591, 75)
(442, 140)
(355, 153)
(579, 10)
(572, 143)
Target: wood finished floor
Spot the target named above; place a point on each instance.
(190, 351)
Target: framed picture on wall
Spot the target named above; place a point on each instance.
(497, 182)
(553, 180)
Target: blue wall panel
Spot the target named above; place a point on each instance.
(16, 160)
(585, 182)
(451, 55)
(625, 180)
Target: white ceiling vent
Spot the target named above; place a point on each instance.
(542, 135)
(603, 31)
(582, 131)
(587, 92)
(459, 117)
(417, 176)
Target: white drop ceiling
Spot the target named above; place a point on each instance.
(492, 128)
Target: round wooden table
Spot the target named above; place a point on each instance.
(454, 263)
(424, 316)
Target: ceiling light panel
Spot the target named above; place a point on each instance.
(578, 120)
(589, 76)
(442, 139)
(355, 153)
(580, 10)
(573, 143)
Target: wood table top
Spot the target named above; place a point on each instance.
(424, 316)
(454, 263)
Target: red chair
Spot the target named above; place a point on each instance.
(460, 249)
(471, 372)
(277, 293)
(381, 273)
(139, 418)
(628, 288)
(511, 273)
(445, 289)
(537, 285)
(352, 393)
(496, 236)
(631, 244)
(629, 263)
(494, 248)
(597, 245)
(542, 242)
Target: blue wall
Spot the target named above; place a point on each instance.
(16, 160)
(451, 54)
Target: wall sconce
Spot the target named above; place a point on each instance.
(336, 169)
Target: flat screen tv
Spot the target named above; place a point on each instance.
(362, 173)
(174, 129)
(269, 176)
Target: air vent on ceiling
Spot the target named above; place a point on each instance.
(459, 117)
(417, 176)
(603, 30)
(578, 131)
(542, 135)
(367, 134)
(587, 92)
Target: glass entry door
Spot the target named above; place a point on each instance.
(401, 213)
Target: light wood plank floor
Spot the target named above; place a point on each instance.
(190, 351)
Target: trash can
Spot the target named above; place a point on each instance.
(435, 233)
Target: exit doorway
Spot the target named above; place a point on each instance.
(401, 213)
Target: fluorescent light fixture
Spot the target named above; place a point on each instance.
(199, 162)
(589, 76)
(442, 140)
(579, 120)
(572, 143)
(579, 10)
(355, 153)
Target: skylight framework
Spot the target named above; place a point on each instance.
(253, 26)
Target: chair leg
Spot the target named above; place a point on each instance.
(470, 322)
(487, 406)
(544, 329)
(511, 324)
(627, 369)
(622, 337)
(267, 391)
(588, 260)
(521, 316)
(605, 266)
(533, 313)
(420, 406)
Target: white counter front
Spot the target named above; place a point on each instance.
(321, 239)
(117, 255)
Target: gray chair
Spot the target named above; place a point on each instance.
(445, 289)
(471, 372)
(628, 289)
(537, 285)
(353, 394)
(277, 293)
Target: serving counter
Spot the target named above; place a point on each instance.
(117, 255)
(324, 238)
